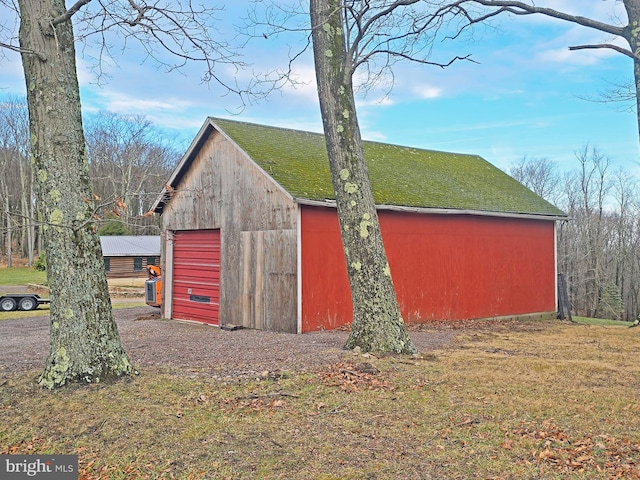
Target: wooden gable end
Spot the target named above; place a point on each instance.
(221, 188)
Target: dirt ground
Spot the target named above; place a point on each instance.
(195, 349)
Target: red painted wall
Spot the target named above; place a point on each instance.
(449, 267)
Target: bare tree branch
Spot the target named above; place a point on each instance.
(521, 8)
(188, 32)
(618, 49)
(70, 13)
(22, 50)
(624, 94)
(474, 12)
(378, 33)
(381, 33)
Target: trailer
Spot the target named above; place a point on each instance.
(21, 301)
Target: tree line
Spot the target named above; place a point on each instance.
(129, 159)
(599, 245)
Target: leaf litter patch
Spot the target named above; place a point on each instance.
(354, 377)
(560, 451)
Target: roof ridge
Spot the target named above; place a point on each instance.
(320, 134)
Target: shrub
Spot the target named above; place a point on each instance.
(41, 263)
(113, 227)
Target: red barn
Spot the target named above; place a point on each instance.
(251, 237)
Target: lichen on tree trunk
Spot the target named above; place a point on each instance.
(377, 321)
(84, 343)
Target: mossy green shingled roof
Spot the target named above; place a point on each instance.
(400, 176)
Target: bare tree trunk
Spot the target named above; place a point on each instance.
(84, 342)
(32, 222)
(27, 213)
(377, 322)
(3, 249)
(9, 234)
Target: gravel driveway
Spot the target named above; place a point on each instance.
(195, 349)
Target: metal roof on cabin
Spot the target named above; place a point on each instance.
(130, 246)
(400, 176)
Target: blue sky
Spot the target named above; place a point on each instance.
(524, 97)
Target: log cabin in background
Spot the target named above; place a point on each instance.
(251, 235)
(127, 256)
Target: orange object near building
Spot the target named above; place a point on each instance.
(153, 287)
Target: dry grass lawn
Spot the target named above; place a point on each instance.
(550, 400)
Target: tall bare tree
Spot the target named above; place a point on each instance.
(84, 342)
(539, 175)
(594, 185)
(624, 187)
(7, 155)
(15, 120)
(370, 35)
(586, 241)
(478, 11)
(129, 161)
(16, 186)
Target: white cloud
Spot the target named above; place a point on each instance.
(164, 111)
(121, 102)
(428, 91)
(556, 48)
(605, 11)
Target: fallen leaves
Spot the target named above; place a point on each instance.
(352, 378)
(469, 415)
(618, 458)
(507, 444)
(31, 447)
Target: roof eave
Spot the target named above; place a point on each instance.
(441, 211)
(134, 254)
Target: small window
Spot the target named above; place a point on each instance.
(107, 264)
(152, 260)
(137, 264)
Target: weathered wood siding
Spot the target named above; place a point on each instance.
(123, 267)
(225, 190)
(269, 280)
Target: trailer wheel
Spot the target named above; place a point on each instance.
(8, 304)
(28, 303)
